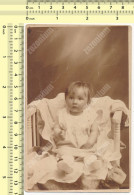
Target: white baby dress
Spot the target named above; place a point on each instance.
(77, 127)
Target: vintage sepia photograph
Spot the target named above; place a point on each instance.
(77, 108)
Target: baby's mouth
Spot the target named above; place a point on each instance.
(74, 106)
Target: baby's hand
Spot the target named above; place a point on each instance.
(59, 135)
(57, 130)
(62, 134)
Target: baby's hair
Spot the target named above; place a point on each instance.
(79, 84)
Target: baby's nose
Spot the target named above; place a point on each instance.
(75, 101)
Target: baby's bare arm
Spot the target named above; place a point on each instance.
(93, 136)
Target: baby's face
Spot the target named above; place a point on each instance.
(76, 101)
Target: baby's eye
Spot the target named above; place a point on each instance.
(80, 98)
(70, 97)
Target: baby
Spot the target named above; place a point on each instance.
(76, 126)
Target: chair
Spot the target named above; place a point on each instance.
(33, 137)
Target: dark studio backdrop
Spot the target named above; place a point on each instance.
(61, 59)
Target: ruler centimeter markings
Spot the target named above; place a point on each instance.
(10, 106)
(12, 18)
(34, 9)
(78, 8)
(13, 54)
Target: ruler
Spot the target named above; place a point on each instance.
(13, 15)
(12, 93)
(88, 11)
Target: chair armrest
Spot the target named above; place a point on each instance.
(116, 119)
(31, 127)
(116, 123)
(31, 111)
